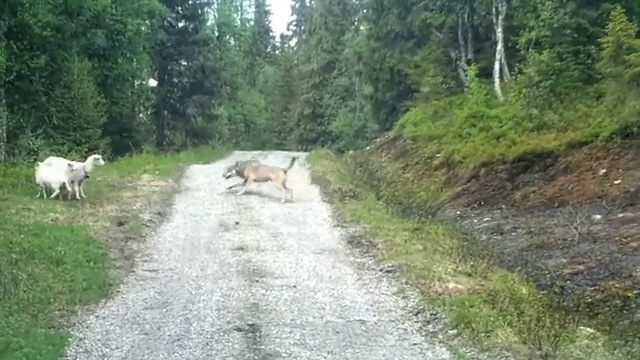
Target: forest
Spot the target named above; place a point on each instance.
(74, 75)
(440, 84)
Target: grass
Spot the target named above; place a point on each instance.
(472, 129)
(495, 308)
(56, 254)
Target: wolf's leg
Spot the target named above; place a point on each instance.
(236, 185)
(283, 189)
(248, 181)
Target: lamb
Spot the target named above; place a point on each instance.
(55, 177)
(78, 179)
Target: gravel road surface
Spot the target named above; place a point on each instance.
(245, 277)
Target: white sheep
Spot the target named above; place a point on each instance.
(54, 176)
(79, 178)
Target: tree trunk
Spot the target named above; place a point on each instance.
(461, 40)
(3, 104)
(469, 19)
(498, 24)
(159, 111)
(461, 61)
(3, 126)
(506, 75)
(461, 73)
(502, 7)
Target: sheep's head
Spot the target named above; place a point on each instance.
(95, 160)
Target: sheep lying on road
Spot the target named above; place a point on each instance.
(77, 179)
(55, 176)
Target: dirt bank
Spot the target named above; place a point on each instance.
(567, 221)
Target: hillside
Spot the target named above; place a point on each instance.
(566, 220)
(562, 225)
(516, 213)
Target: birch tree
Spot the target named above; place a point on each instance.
(3, 104)
(500, 69)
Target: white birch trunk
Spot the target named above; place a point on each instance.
(461, 62)
(461, 42)
(3, 127)
(502, 7)
(469, 19)
(4, 115)
(497, 61)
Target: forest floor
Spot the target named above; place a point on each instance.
(59, 254)
(539, 255)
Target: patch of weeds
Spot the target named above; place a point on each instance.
(493, 307)
(397, 186)
(459, 355)
(161, 166)
(475, 128)
(58, 254)
(336, 181)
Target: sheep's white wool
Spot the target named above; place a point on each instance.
(79, 177)
(91, 162)
(54, 176)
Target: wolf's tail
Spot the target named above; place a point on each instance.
(293, 160)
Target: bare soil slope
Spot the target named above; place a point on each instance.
(568, 221)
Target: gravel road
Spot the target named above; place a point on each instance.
(245, 277)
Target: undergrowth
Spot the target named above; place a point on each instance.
(52, 258)
(475, 127)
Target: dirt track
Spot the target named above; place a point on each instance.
(245, 277)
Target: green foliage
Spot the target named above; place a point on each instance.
(40, 274)
(74, 77)
(161, 165)
(78, 111)
(620, 63)
(543, 113)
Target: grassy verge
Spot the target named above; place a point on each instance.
(57, 254)
(494, 307)
(473, 128)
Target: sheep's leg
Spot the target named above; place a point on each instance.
(40, 192)
(76, 188)
(56, 191)
(69, 190)
(82, 190)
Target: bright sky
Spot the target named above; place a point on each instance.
(280, 15)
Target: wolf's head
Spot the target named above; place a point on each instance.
(237, 169)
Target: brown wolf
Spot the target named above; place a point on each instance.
(253, 171)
